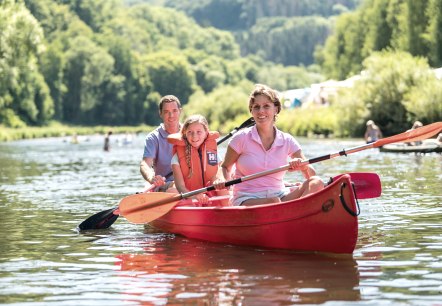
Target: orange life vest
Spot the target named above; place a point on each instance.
(203, 161)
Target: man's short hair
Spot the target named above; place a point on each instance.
(168, 99)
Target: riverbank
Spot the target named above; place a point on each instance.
(59, 130)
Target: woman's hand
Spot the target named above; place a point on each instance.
(295, 164)
(202, 199)
(219, 184)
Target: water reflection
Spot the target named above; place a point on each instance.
(185, 271)
(47, 187)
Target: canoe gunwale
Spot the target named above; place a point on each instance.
(317, 222)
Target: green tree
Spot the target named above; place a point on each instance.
(178, 31)
(409, 21)
(342, 51)
(24, 95)
(95, 13)
(424, 102)
(222, 105)
(402, 25)
(287, 77)
(433, 33)
(52, 64)
(388, 94)
(126, 90)
(289, 41)
(170, 74)
(88, 67)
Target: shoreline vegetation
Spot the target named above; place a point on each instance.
(60, 130)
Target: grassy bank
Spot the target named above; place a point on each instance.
(59, 130)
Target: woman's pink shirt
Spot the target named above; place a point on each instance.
(253, 158)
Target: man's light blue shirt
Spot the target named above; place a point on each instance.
(159, 149)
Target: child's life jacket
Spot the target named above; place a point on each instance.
(203, 161)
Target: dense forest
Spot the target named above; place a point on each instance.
(292, 29)
(107, 62)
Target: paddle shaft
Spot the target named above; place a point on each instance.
(421, 133)
(413, 135)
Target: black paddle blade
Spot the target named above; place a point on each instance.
(247, 123)
(101, 220)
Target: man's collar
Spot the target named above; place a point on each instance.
(163, 131)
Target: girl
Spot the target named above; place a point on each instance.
(195, 161)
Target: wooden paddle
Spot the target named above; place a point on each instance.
(137, 209)
(106, 218)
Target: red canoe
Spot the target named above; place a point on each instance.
(325, 222)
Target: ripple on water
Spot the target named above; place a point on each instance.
(48, 187)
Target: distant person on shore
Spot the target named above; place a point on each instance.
(74, 139)
(128, 138)
(372, 133)
(106, 146)
(155, 165)
(416, 124)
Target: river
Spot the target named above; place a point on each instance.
(48, 186)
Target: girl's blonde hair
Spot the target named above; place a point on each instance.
(191, 120)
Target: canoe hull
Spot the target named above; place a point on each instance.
(318, 222)
(425, 147)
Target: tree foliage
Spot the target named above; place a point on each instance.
(289, 41)
(403, 25)
(24, 95)
(280, 31)
(101, 62)
(106, 62)
(395, 90)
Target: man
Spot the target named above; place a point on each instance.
(155, 166)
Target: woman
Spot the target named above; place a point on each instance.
(195, 161)
(263, 147)
(372, 133)
(416, 125)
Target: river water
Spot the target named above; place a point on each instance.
(48, 186)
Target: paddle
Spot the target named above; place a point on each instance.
(106, 218)
(245, 124)
(136, 209)
(367, 185)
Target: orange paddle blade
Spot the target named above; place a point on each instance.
(421, 133)
(145, 207)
